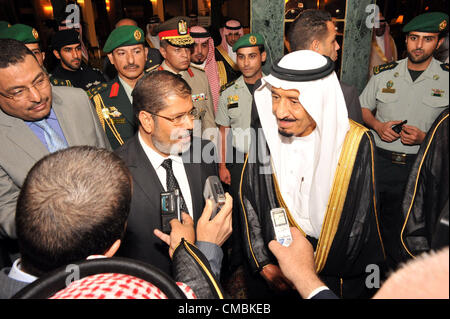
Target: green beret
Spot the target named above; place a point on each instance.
(248, 40)
(20, 32)
(176, 32)
(433, 22)
(4, 24)
(123, 36)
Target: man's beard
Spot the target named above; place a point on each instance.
(176, 148)
(420, 59)
(285, 134)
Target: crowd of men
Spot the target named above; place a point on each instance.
(87, 154)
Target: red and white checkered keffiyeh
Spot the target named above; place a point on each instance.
(115, 286)
(212, 73)
(225, 31)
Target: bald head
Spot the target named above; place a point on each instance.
(126, 21)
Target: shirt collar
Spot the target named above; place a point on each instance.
(17, 274)
(155, 158)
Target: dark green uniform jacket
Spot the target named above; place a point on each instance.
(115, 111)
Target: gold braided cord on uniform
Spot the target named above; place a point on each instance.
(222, 73)
(338, 193)
(99, 108)
(227, 58)
(416, 183)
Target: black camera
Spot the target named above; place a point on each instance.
(398, 128)
(170, 209)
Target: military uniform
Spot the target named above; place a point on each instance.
(235, 109)
(115, 111)
(112, 100)
(58, 82)
(201, 94)
(176, 32)
(397, 97)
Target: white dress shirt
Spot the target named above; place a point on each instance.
(18, 274)
(178, 170)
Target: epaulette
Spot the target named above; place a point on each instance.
(384, 67)
(58, 82)
(197, 67)
(444, 66)
(96, 89)
(226, 86)
(152, 68)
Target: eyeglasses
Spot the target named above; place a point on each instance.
(182, 118)
(21, 94)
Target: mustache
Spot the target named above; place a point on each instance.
(180, 134)
(131, 66)
(286, 119)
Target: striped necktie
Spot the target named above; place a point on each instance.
(53, 139)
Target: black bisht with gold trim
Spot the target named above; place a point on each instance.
(357, 241)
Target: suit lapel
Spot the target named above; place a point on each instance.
(65, 120)
(21, 135)
(143, 172)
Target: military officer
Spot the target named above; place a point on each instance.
(175, 47)
(113, 100)
(30, 37)
(66, 45)
(415, 90)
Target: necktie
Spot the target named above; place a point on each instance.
(172, 183)
(53, 139)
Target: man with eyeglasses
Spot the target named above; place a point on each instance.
(163, 156)
(113, 100)
(36, 119)
(175, 47)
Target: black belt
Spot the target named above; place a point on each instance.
(396, 158)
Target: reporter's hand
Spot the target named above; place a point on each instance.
(385, 132)
(179, 230)
(218, 229)
(275, 278)
(411, 135)
(297, 262)
(224, 174)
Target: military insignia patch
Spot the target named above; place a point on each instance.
(252, 40)
(384, 67)
(199, 97)
(437, 92)
(442, 25)
(182, 27)
(137, 35)
(114, 112)
(35, 33)
(388, 88)
(435, 77)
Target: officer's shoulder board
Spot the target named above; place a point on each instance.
(226, 86)
(96, 90)
(444, 66)
(59, 82)
(197, 68)
(384, 67)
(152, 68)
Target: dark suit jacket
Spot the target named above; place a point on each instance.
(325, 294)
(8, 286)
(139, 242)
(352, 100)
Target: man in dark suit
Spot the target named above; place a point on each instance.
(315, 30)
(163, 155)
